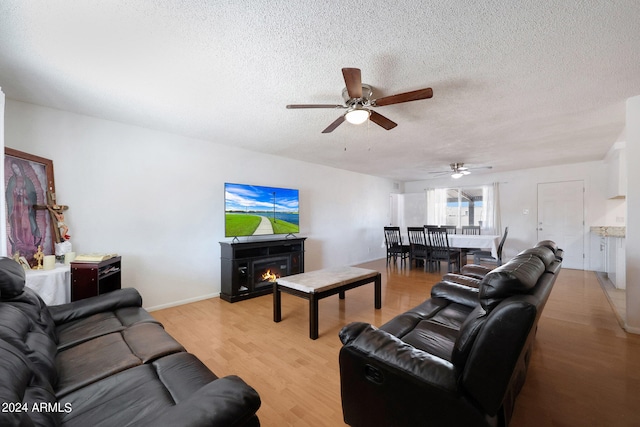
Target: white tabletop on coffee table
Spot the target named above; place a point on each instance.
(325, 279)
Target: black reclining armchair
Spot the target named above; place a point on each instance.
(458, 359)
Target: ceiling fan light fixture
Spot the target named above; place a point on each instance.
(357, 116)
(459, 170)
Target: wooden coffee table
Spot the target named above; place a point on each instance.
(319, 284)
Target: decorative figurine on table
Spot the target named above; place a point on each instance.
(24, 263)
(21, 260)
(39, 256)
(57, 212)
(62, 243)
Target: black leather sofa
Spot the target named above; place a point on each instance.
(104, 361)
(458, 359)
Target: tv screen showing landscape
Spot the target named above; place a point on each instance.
(252, 210)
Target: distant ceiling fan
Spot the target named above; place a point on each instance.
(358, 102)
(458, 170)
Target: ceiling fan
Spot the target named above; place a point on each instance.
(358, 102)
(458, 170)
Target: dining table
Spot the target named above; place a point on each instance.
(488, 242)
(469, 242)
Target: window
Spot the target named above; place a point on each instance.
(464, 206)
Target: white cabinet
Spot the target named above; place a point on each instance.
(612, 245)
(616, 265)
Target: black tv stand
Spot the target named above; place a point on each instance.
(248, 267)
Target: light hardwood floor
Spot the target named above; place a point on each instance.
(585, 370)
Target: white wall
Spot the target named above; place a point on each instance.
(519, 192)
(157, 199)
(633, 216)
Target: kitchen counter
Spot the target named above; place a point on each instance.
(609, 231)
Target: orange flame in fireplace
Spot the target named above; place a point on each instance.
(268, 276)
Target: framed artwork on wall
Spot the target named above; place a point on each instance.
(28, 182)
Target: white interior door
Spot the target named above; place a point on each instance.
(561, 219)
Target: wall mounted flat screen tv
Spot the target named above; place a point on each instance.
(252, 210)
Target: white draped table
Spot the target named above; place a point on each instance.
(472, 241)
(53, 286)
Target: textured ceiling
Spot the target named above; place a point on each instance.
(516, 84)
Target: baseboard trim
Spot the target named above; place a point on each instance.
(631, 329)
(182, 302)
(607, 286)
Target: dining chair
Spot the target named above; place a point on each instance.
(418, 246)
(440, 249)
(451, 229)
(395, 248)
(471, 229)
(480, 257)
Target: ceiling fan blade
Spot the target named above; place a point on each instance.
(353, 80)
(334, 125)
(381, 120)
(403, 97)
(296, 106)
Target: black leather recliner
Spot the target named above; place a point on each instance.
(458, 359)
